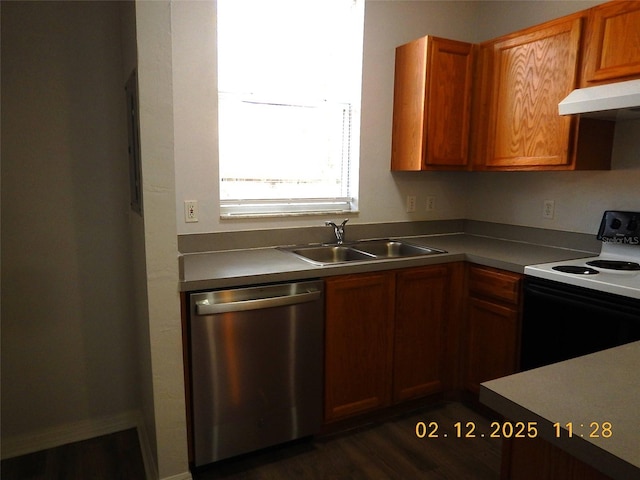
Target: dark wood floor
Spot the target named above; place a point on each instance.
(111, 457)
(390, 450)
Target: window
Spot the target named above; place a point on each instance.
(289, 83)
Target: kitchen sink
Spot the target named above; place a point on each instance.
(330, 254)
(364, 250)
(394, 248)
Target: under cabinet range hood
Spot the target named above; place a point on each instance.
(613, 101)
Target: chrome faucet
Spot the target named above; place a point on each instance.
(338, 230)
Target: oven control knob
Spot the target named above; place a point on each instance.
(615, 223)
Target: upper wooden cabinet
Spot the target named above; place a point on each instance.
(522, 78)
(517, 82)
(431, 109)
(612, 43)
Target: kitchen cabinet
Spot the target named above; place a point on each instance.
(612, 43)
(524, 77)
(493, 312)
(585, 410)
(358, 343)
(535, 458)
(431, 106)
(421, 319)
(385, 338)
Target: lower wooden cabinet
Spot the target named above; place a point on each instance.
(492, 322)
(385, 338)
(491, 342)
(400, 335)
(421, 316)
(537, 459)
(358, 343)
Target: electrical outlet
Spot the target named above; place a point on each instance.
(411, 203)
(431, 203)
(548, 209)
(191, 211)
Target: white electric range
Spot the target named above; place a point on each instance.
(576, 307)
(616, 270)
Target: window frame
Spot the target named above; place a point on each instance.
(345, 203)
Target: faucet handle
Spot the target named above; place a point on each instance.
(338, 230)
(333, 224)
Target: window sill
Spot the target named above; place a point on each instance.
(245, 216)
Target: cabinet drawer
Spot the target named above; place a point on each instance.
(493, 283)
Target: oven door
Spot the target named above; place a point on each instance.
(562, 321)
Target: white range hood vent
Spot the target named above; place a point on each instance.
(614, 101)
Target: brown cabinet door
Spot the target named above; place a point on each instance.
(612, 47)
(450, 83)
(531, 73)
(491, 341)
(493, 313)
(422, 298)
(432, 99)
(358, 343)
(535, 458)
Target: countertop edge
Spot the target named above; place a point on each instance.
(313, 272)
(491, 252)
(593, 455)
(578, 390)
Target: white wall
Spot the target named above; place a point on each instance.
(91, 333)
(580, 197)
(68, 324)
(147, 421)
(382, 193)
(480, 196)
(154, 44)
(497, 18)
(387, 24)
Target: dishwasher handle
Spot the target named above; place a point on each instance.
(205, 307)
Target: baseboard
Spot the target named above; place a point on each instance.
(84, 430)
(180, 476)
(69, 433)
(148, 458)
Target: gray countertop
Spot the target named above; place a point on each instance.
(208, 270)
(603, 386)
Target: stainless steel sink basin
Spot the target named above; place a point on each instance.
(365, 250)
(394, 248)
(330, 254)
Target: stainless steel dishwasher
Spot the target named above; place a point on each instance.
(256, 360)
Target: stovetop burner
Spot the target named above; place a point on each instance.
(615, 270)
(576, 269)
(615, 265)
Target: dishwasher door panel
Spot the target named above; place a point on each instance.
(256, 378)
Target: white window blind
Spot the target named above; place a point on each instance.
(289, 85)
